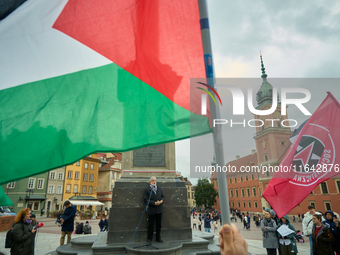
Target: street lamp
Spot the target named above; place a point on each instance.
(29, 192)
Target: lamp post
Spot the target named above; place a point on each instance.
(28, 196)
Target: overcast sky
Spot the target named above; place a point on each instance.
(298, 39)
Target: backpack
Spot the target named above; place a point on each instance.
(9, 242)
(87, 229)
(79, 228)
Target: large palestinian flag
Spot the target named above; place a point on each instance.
(78, 77)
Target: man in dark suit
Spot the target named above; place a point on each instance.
(155, 209)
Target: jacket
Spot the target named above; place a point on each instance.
(207, 222)
(68, 217)
(152, 208)
(331, 224)
(270, 240)
(291, 237)
(23, 240)
(324, 241)
(307, 223)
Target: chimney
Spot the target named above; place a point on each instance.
(253, 152)
(237, 157)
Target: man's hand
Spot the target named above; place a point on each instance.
(34, 230)
(156, 203)
(336, 221)
(62, 220)
(265, 227)
(231, 241)
(161, 202)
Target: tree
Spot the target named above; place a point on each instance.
(205, 193)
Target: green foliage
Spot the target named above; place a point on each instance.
(205, 193)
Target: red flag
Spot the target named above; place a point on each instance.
(313, 158)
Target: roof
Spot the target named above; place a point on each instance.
(108, 166)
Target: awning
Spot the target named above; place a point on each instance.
(35, 198)
(85, 202)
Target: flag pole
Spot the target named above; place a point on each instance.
(214, 113)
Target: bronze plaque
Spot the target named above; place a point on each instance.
(152, 156)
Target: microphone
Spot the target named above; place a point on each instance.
(39, 225)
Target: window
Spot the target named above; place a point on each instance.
(68, 188)
(238, 203)
(92, 166)
(236, 192)
(260, 192)
(252, 176)
(78, 163)
(69, 175)
(230, 180)
(265, 158)
(249, 204)
(76, 176)
(235, 180)
(31, 183)
(231, 193)
(241, 178)
(338, 185)
(233, 204)
(91, 177)
(255, 204)
(267, 173)
(312, 203)
(86, 165)
(324, 188)
(85, 178)
(52, 175)
(246, 177)
(188, 195)
(254, 192)
(242, 192)
(90, 189)
(59, 189)
(328, 205)
(40, 184)
(84, 189)
(75, 188)
(61, 176)
(51, 189)
(11, 185)
(248, 192)
(244, 204)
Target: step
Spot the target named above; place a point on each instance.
(166, 248)
(83, 241)
(67, 249)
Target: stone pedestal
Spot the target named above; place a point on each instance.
(128, 206)
(128, 196)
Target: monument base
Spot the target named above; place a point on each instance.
(128, 207)
(200, 243)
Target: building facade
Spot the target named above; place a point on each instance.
(55, 187)
(29, 192)
(110, 171)
(81, 178)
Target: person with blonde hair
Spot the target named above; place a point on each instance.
(23, 233)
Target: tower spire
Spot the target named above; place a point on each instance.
(264, 75)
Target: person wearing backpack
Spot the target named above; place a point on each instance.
(22, 234)
(87, 228)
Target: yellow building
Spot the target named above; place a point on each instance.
(81, 178)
